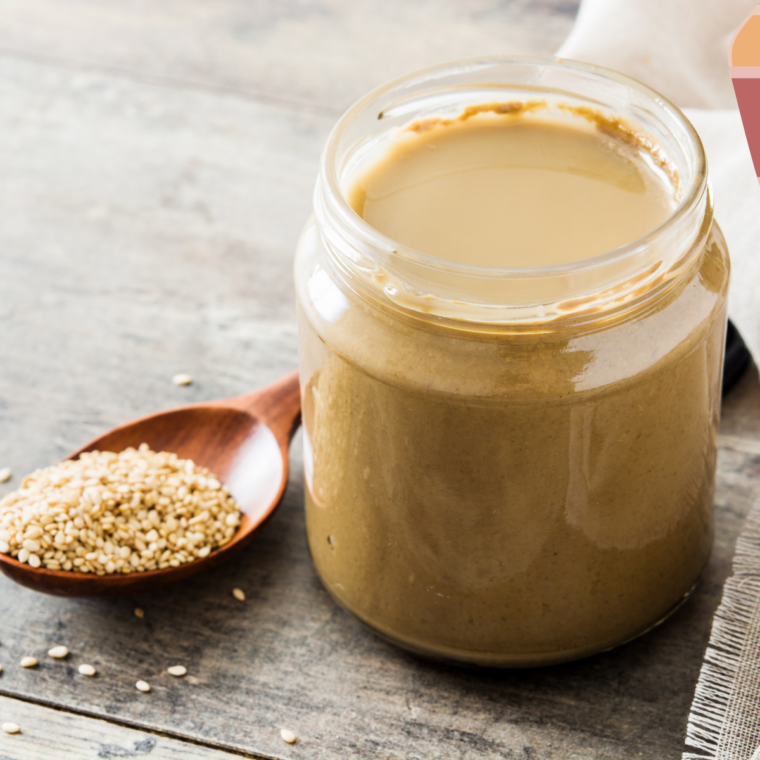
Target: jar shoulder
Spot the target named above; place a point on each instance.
(553, 365)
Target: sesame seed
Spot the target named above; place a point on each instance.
(288, 736)
(28, 662)
(142, 686)
(239, 594)
(58, 653)
(11, 728)
(177, 671)
(5, 474)
(139, 612)
(182, 379)
(87, 670)
(116, 513)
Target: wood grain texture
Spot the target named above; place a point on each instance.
(149, 225)
(147, 231)
(317, 54)
(47, 734)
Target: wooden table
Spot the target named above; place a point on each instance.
(157, 164)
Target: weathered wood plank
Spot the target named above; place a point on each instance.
(321, 53)
(146, 231)
(47, 733)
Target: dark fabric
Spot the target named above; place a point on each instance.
(737, 358)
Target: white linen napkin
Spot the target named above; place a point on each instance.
(680, 47)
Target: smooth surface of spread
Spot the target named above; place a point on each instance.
(505, 191)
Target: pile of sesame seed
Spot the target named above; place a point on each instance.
(117, 513)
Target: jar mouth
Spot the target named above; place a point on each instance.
(471, 81)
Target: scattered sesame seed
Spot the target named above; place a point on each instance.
(58, 653)
(142, 686)
(5, 474)
(28, 662)
(87, 670)
(177, 671)
(182, 379)
(288, 736)
(239, 594)
(11, 728)
(139, 612)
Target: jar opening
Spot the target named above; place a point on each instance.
(568, 90)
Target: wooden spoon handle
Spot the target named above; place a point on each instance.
(278, 405)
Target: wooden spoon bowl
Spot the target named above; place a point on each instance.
(244, 441)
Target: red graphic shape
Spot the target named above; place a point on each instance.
(748, 97)
(744, 58)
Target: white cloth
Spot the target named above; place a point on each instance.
(680, 48)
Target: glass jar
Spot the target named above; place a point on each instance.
(511, 467)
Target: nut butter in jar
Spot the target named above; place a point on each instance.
(512, 305)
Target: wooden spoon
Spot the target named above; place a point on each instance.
(243, 441)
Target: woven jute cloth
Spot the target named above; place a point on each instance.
(725, 714)
(680, 48)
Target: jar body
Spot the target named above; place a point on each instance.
(505, 497)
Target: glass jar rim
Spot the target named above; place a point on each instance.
(378, 266)
(328, 168)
